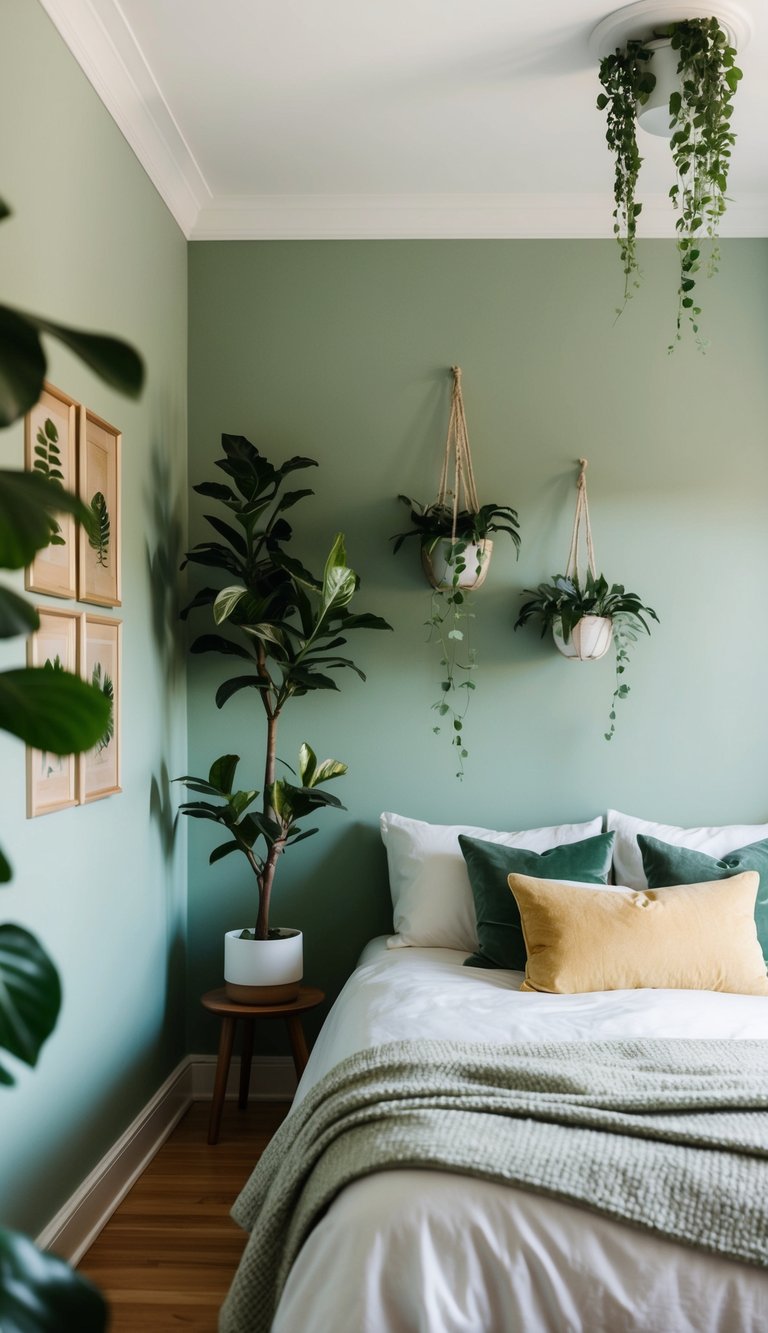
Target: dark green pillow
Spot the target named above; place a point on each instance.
(499, 931)
(665, 865)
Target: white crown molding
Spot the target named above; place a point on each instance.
(447, 217)
(101, 41)
(639, 22)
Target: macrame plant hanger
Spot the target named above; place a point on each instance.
(458, 496)
(582, 529)
(591, 638)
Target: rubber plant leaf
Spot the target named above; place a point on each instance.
(30, 997)
(40, 1292)
(222, 773)
(52, 710)
(28, 502)
(17, 615)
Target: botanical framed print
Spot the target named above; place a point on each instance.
(52, 778)
(98, 579)
(100, 767)
(50, 449)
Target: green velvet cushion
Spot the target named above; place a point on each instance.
(499, 931)
(665, 864)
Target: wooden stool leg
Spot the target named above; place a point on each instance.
(222, 1074)
(245, 1063)
(298, 1043)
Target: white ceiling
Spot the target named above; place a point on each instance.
(387, 118)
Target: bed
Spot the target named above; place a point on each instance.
(407, 1250)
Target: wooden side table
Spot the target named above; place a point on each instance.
(216, 1002)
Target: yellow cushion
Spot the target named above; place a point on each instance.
(687, 937)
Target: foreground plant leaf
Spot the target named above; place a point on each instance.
(30, 998)
(52, 710)
(40, 1293)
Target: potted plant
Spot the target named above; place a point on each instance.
(286, 626)
(455, 555)
(699, 106)
(585, 617)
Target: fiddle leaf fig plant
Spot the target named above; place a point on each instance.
(285, 627)
(560, 604)
(700, 112)
(451, 611)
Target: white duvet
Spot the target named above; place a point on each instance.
(430, 1252)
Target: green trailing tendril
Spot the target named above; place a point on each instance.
(626, 81)
(700, 117)
(449, 623)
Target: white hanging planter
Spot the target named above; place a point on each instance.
(263, 971)
(439, 568)
(590, 639)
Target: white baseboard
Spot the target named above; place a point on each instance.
(77, 1224)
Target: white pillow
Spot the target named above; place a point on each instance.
(717, 842)
(432, 902)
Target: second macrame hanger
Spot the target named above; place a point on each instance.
(582, 529)
(463, 493)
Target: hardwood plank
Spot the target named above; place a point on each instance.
(168, 1254)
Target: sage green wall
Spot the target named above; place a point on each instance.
(91, 243)
(341, 351)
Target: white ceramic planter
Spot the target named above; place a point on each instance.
(263, 971)
(439, 569)
(653, 115)
(590, 639)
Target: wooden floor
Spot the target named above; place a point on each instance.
(167, 1255)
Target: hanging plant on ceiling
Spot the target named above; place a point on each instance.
(697, 111)
(584, 612)
(456, 548)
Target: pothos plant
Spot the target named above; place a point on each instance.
(700, 112)
(286, 625)
(51, 710)
(560, 604)
(451, 612)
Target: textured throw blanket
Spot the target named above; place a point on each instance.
(669, 1135)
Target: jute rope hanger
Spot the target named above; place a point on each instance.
(582, 528)
(457, 448)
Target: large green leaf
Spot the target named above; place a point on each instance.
(222, 773)
(17, 615)
(30, 997)
(40, 1293)
(6, 874)
(23, 364)
(28, 502)
(52, 710)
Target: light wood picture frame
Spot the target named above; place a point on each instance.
(50, 448)
(101, 652)
(98, 577)
(52, 779)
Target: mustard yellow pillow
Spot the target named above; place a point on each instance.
(687, 937)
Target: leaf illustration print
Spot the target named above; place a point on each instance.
(48, 464)
(98, 537)
(104, 683)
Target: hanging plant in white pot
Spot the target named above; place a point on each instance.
(286, 626)
(584, 613)
(456, 549)
(678, 80)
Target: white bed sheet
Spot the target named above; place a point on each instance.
(430, 1252)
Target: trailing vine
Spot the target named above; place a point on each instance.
(700, 116)
(700, 119)
(449, 623)
(626, 81)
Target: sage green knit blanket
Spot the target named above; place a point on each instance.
(670, 1135)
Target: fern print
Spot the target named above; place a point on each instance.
(98, 537)
(48, 464)
(104, 683)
